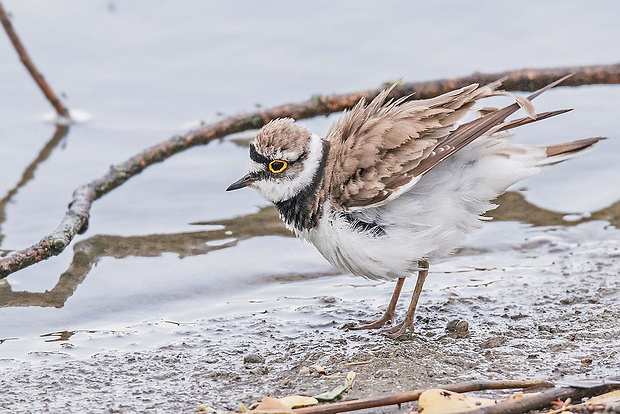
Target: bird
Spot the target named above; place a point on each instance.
(396, 185)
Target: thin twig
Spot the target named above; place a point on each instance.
(344, 406)
(543, 399)
(76, 219)
(61, 110)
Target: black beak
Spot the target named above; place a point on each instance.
(245, 181)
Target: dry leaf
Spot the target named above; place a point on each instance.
(271, 406)
(338, 391)
(204, 408)
(605, 399)
(298, 401)
(437, 401)
(332, 394)
(350, 379)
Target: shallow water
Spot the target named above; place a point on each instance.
(173, 265)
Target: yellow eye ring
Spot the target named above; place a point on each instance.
(277, 166)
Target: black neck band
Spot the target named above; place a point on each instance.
(302, 210)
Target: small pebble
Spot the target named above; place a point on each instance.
(568, 301)
(387, 373)
(259, 370)
(253, 359)
(320, 370)
(494, 342)
(458, 327)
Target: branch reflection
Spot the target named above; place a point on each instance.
(513, 207)
(59, 134)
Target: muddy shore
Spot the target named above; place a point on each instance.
(554, 316)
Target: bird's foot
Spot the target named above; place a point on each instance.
(399, 330)
(378, 324)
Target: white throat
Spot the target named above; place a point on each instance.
(279, 190)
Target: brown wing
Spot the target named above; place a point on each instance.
(468, 132)
(374, 148)
(379, 150)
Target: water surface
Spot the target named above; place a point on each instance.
(170, 256)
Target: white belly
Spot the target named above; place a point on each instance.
(431, 219)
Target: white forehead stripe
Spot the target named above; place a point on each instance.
(255, 167)
(286, 155)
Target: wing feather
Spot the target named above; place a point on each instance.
(379, 150)
(374, 147)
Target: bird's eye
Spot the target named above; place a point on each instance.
(277, 166)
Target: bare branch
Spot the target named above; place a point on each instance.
(61, 110)
(544, 399)
(344, 406)
(76, 218)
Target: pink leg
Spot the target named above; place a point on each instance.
(389, 314)
(407, 324)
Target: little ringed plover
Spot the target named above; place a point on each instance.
(396, 185)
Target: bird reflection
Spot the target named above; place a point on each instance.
(513, 207)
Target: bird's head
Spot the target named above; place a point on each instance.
(284, 158)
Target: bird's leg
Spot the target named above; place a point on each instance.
(407, 324)
(389, 314)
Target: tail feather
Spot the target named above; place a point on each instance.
(526, 120)
(561, 152)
